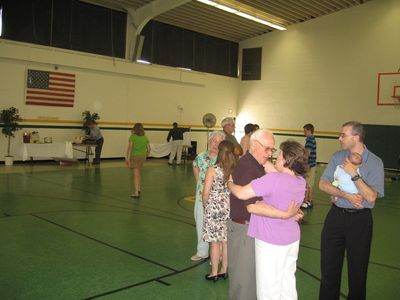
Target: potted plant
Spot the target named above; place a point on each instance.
(87, 117)
(9, 120)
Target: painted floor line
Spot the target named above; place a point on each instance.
(104, 243)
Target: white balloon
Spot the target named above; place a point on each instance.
(97, 105)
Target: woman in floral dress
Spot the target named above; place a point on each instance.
(200, 166)
(216, 209)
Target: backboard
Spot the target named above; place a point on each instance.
(388, 89)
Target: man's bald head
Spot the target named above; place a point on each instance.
(262, 143)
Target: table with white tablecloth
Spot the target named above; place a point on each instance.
(47, 150)
(163, 150)
(160, 150)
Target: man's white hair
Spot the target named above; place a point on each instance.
(227, 121)
(214, 134)
(256, 135)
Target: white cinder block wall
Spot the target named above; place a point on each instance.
(120, 91)
(323, 71)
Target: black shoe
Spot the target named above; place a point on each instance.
(223, 276)
(211, 278)
(170, 164)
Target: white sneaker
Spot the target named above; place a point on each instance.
(198, 257)
(304, 205)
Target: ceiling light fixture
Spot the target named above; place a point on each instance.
(208, 2)
(246, 16)
(227, 9)
(241, 14)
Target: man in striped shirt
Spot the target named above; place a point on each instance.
(311, 147)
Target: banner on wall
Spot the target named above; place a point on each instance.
(50, 88)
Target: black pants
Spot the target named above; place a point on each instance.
(99, 146)
(350, 232)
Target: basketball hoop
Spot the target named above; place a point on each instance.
(396, 96)
(396, 92)
(388, 92)
(396, 100)
(397, 105)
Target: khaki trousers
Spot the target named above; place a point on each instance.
(241, 262)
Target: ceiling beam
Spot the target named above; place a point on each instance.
(138, 18)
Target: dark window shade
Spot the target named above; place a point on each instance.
(85, 33)
(69, 24)
(27, 21)
(62, 23)
(188, 49)
(251, 64)
(177, 47)
(234, 58)
(147, 50)
(199, 59)
(119, 33)
(41, 19)
(222, 58)
(383, 141)
(168, 41)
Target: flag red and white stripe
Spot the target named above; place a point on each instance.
(50, 88)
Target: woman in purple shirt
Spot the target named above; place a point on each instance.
(277, 236)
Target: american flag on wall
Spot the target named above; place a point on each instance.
(50, 88)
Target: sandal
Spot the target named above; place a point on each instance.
(211, 278)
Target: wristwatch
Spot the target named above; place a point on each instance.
(355, 178)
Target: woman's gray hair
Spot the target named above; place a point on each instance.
(214, 134)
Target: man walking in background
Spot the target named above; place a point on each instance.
(311, 147)
(176, 134)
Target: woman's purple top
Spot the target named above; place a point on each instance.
(277, 190)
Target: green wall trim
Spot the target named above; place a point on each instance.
(160, 129)
(102, 128)
(329, 137)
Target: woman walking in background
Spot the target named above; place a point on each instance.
(216, 209)
(138, 149)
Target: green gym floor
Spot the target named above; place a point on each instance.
(73, 232)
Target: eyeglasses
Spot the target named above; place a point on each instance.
(342, 135)
(266, 149)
